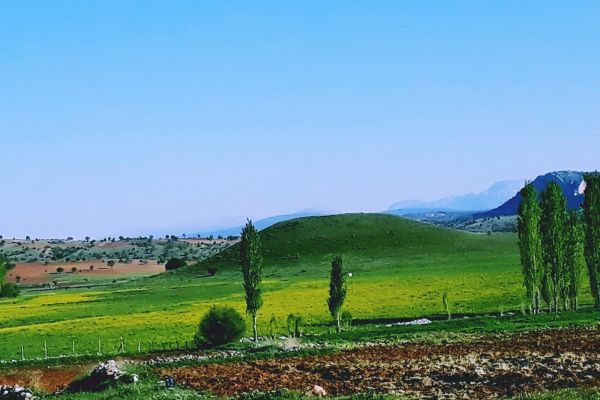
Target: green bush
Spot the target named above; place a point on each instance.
(9, 289)
(175, 263)
(219, 326)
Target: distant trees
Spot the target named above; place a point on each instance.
(7, 289)
(252, 266)
(591, 215)
(530, 245)
(337, 290)
(175, 263)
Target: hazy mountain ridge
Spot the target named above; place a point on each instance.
(259, 224)
(492, 197)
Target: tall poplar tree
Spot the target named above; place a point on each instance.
(573, 258)
(530, 245)
(591, 216)
(251, 261)
(553, 228)
(337, 290)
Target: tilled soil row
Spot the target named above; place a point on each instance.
(487, 368)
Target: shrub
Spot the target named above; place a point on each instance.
(60, 269)
(175, 263)
(294, 325)
(273, 322)
(9, 289)
(346, 319)
(219, 326)
(212, 271)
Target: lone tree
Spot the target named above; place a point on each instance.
(573, 257)
(530, 245)
(591, 215)
(553, 227)
(252, 266)
(337, 290)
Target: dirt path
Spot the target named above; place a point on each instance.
(488, 368)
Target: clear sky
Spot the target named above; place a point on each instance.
(128, 116)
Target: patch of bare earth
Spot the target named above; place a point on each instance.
(47, 379)
(36, 273)
(487, 368)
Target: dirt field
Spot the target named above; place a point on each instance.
(489, 368)
(48, 379)
(36, 273)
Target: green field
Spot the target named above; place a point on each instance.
(399, 270)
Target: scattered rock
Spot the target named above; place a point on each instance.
(317, 391)
(102, 377)
(15, 393)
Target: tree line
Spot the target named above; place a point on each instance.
(556, 244)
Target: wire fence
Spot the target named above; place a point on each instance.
(102, 347)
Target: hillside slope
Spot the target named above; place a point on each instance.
(316, 239)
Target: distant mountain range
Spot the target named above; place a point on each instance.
(467, 212)
(495, 195)
(571, 182)
(260, 224)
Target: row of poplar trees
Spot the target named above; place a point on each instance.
(252, 268)
(555, 243)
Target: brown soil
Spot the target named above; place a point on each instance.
(488, 368)
(36, 273)
(48, 379)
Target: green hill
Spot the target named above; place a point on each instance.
(360, 234)
(399, 267)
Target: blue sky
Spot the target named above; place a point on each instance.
(125, 116)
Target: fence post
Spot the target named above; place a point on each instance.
(177, 343)
(22, 353)
(99, 348)
(139, 346)
(45, 350)
(74, 353)
(122, 346)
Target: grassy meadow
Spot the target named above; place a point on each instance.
(399, 270)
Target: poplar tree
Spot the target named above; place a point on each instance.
(251, 261)
(591, 215)
(552, 228)
(573, 258)
(337, 290)
(530, 246)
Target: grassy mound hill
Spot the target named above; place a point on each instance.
(312, 240)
